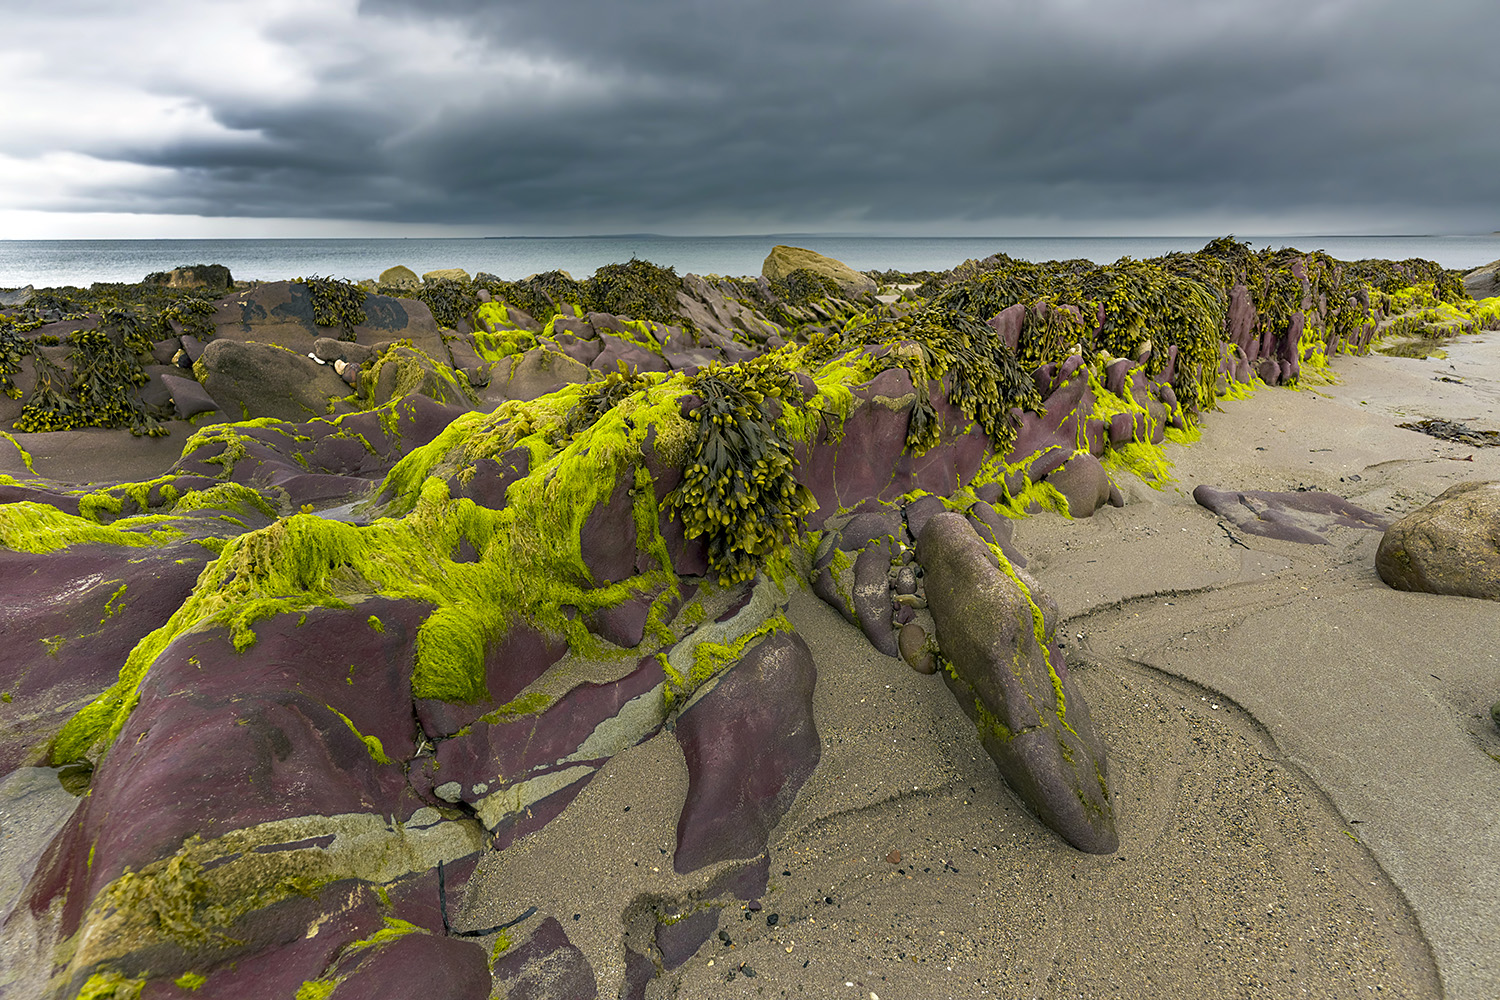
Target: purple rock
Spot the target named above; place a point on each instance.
(1293, 517)
(750, 743)
(1013, 682)
(547, 967)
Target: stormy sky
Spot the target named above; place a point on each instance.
(963, 117)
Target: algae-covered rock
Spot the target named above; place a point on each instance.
(282, 313)
(445, 274)
(994, 628)
(783, 260)
(400, 276)
(1450, 546)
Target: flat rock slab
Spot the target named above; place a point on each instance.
(1292, 517)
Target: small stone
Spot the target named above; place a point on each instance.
(449, 791)
(894, 857)
(912, 641)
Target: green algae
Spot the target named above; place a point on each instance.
(25, 455)
(27, 526)
(190, 980)
(372, 744)
(110, 985)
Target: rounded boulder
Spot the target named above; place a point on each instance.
(1450, 546)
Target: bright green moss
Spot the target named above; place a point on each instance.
(376, 624)
(111, 985)
(190, 980)
(25, 455)
(1146, 460)
(372, 743)
(40, 528)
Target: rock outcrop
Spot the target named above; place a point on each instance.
(332, 664)
(1001, 661)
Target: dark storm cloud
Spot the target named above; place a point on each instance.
(598, 115)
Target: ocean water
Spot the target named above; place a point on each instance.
(45, 263)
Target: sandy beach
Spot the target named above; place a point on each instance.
(1303, 760)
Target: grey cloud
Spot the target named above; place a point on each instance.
(846, 114)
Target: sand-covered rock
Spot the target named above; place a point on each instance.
(1450, 546)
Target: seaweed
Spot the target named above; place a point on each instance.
(336, 303)
(450, 300)
(638, 289)
(739, 487)
(12, 349)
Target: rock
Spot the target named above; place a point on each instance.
(783, 260)
(1450, 546)
(188, 397)
(750, 743)
(261, 380)
(913, 642)
(214, 277)
(401, 371)
(1009, 676)
(446, 274)
(1083, 481)
(17, 296)
(1293, 517)
(534, 373)
(1481, 283)
(547, 967)
(400, 276)
(281, 312)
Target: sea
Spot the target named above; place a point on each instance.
(55, 263)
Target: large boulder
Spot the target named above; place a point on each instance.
(1450, 546)
(400, 276)
(783, 260)
(262, 380)
(446, 274)
(995, 631)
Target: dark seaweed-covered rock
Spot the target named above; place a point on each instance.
(281, 312)
(1293, 517)
(994, 627)
(1450, 546)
